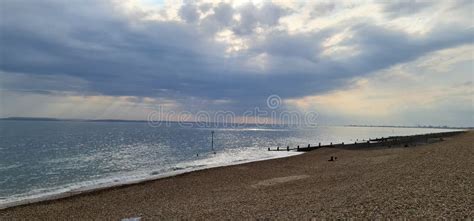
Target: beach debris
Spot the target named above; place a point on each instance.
(332, 159)
(132, 219)
(278, 180)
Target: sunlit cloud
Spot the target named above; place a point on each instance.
(389, 96)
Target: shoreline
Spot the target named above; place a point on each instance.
(169, 174)
(200, 175)
(110, 185)
(151, 176)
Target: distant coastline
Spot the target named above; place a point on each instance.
(144, 121)
(61, 119)
(418, 126)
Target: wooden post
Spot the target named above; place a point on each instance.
(212, 140)
(298, 148)
(287, 148)
(319, 145)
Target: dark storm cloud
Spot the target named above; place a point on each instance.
(114, 55)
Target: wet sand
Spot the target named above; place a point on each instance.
(430, 181)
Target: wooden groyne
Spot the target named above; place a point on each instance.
(391, 141)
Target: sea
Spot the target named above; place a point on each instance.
(49, 159)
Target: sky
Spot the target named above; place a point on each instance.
(350, 62)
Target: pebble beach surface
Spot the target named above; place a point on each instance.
(424, 181)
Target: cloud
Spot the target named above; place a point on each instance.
(223, 13)
(189, 12)
(407, 93)
(405, 7)
(252, 17)
(112, 52)
(323, 8)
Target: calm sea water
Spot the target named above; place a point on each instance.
(43, 158)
